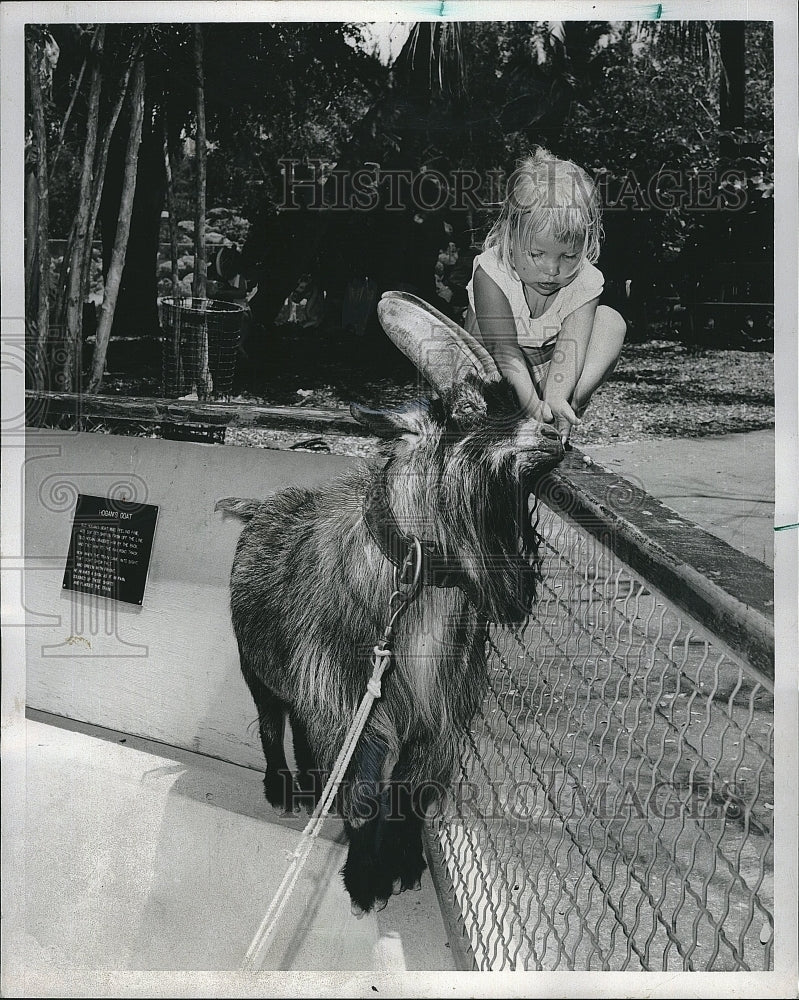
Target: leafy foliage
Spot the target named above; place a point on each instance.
(654, 108)
(622, 98)
(278, 91)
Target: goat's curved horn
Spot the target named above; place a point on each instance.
(442, 351)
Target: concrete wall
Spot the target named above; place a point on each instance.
(167, 670)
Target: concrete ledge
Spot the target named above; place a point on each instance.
(724, 590)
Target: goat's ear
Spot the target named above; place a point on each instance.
(466, 405)
(408, 418)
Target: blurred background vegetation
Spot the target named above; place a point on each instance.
(637, 104)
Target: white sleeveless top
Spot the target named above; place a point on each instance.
(534, 332)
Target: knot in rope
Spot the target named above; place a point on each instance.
(380, 653)
(381, 658)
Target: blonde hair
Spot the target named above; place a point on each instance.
(547, 193)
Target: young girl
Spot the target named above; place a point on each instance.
(534, 297)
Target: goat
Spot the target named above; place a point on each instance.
(313, 575)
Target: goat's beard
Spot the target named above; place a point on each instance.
(494, 539)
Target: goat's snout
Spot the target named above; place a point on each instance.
(548, 432)
(535, 436)
(551, 440)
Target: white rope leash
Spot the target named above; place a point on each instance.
(300, 855)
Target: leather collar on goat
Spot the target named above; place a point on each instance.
(438, 569)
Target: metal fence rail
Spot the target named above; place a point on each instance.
(615, 803)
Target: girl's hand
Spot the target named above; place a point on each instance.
(564, 417)
(541, 411)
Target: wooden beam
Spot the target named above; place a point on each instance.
(228, 414)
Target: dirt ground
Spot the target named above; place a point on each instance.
(662, 388)
(659, 389)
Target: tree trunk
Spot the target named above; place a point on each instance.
(99, 173)
(137, 307)
(170, 207)
(732, 89)
(75, 279)
(173, 253)
(31, 243)
(62, 131)
(123, 230)
(200, 265)
(42, 216)
(732, 49)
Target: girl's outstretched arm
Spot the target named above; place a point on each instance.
(567, 364)
(497, 330)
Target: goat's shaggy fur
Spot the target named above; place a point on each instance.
(310, 595)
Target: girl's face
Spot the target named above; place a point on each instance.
(545, 263)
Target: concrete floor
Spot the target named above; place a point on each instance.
(724, 484)
(139, 856)
(142, 857)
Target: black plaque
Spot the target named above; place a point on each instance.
(109, 551)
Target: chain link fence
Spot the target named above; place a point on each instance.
(615, 803)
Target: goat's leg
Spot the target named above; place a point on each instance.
(401, 850)
(309, 777)
(278, 781)
(366, 877)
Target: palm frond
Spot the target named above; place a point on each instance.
(437, 51)
(697, 40)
